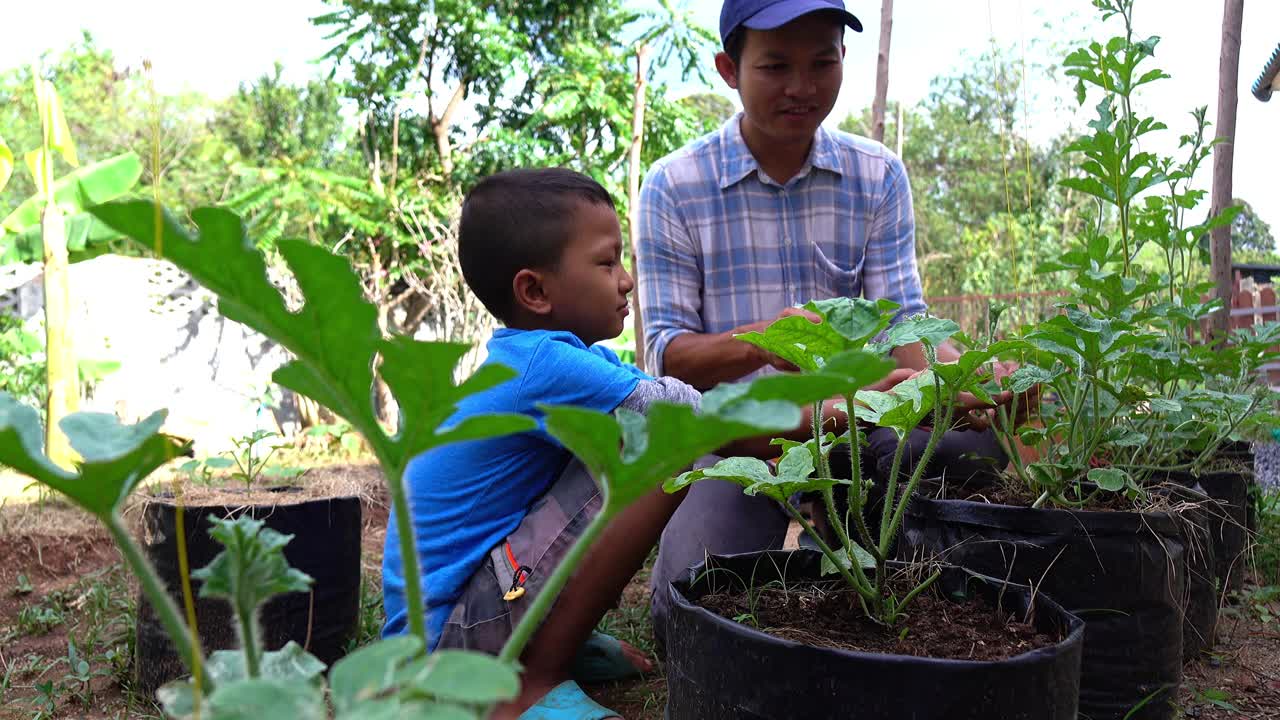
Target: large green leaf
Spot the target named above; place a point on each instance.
(371, 671)
(334, 336)
(116, 457)
(793, 475)
(924, 328)
(393, 678)
(77, 191)
(673, 436)
(903, 407)
(857, 320)
(464, 677)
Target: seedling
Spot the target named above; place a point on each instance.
(23, 585)
(842, 350)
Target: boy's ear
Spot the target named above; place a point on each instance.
(728, 69)
(529, 290)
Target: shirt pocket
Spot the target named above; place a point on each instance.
(834, 279)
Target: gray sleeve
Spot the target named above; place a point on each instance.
(662, 389)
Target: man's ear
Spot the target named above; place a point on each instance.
(728, 69)
(528, 289)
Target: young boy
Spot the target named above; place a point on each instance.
(542, 250)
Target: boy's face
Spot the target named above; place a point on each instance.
(788, 78)
(587, 292)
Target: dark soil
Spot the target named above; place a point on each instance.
(829, 615)
(1018, 495)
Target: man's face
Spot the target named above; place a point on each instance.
(788, 77)
(588, 289)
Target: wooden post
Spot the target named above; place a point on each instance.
(902, 128)
(633, 190)
(882, 71)
(1224, 157)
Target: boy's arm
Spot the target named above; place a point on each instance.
(672, 390)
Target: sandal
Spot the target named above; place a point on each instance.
(600, 660)
(567, 701)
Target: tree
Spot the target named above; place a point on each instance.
(710, 110)
(988, 209)
(1250, 233)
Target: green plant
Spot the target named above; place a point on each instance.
(23, 585)
(336, 342)
(39, 619)
(248, 461)
(1128, 395)
(841, 351)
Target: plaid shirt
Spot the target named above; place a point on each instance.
(722, 245)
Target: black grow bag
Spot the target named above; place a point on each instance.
(1199, 627)
(1123, 573)
(1229, 521)
(718, 669)
(325, 545)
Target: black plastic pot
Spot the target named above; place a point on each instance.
(1123, 573)
(325, 545)
(1229, 521)
(718, 669)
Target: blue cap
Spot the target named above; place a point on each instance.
(770, 14)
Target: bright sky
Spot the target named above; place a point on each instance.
(213, 47)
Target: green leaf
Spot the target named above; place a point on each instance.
(77, 191)
(371, 671)
(262, 698)
(1109, 479)
(865, 561)
(931, 330)
(116, 457)
(1028, 376)
(673, 436)
(251, 568)
(858, 320)
(465, 677)
(334, 336)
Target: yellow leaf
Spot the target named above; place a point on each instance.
(36, 161)
(54, 123)
(6, 164)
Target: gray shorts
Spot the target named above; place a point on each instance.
(501, 590)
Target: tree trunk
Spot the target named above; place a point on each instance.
(633, 191)
(1224, 158)
(60, 361)
(882, 71)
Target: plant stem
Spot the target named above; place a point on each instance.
(160, 601)
(249, 643)
(891, 488)
(939, 428)
(408, 548)
(858, 583)
(915, 592)
(533, 617)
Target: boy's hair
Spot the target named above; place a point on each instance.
(515, 220)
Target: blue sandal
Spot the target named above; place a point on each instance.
(567, 701)
(600, 660)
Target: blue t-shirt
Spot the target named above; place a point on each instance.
(467, 497)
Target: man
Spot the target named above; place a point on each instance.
(769, 212)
